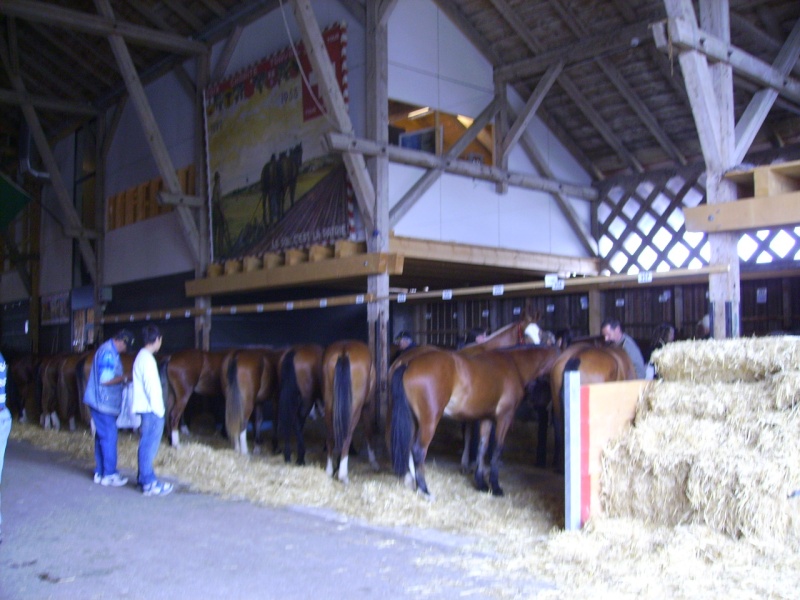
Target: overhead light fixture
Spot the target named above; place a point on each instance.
(420, 112)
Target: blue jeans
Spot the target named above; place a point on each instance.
(152, 430)
(5, 429)
(105, 443)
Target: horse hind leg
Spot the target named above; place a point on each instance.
(480, 470)
(494, 472)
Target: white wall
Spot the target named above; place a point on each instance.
(432, 64)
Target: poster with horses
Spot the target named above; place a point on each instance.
(272, 185)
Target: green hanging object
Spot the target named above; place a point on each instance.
(12, 200)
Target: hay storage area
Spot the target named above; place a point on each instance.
(715, 442)
(520, 534)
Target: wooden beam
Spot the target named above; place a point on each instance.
(166, 198)
(760, 104)
(227, 53)
(341, 143)
(50, 14)
(740, 215)
(152, 132)
(335, 106)
(531, 106)
(451, 252)
(349, 267)
(49, 104)
(63, 196)
(588, 47)
(401, 208)
(685, 36)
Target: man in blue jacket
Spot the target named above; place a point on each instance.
(104, 397)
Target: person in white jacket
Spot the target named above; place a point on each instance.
(148, 403)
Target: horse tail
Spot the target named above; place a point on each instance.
(234, 410)
(289, 395)
(343, 397)
(401, 424)
(80, 380)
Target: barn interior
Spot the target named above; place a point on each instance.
(631, 109)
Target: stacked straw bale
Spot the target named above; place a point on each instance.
(715, 441)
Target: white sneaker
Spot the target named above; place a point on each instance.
(114, 480)
(97, 478)
(157, 488)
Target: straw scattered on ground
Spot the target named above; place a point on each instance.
(689, 489)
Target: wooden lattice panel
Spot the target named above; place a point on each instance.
(642, 227)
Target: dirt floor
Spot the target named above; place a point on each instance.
(66, 537)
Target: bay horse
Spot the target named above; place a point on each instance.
(69, 400)
(248, 383)
(596, 364)
(348, 390)
(300, 382)
(22, 372)
(47, 391)
(188, 372)
(485, 387)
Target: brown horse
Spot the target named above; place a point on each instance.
(69, 400)
(47, 390)
(348, 389)
(21, 396)
(596, 364)
(190, 372)
(248, 383)
(486, 387)
(510, 335)
(300, 377)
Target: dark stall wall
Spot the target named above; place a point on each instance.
(321, 326)
(153, 294)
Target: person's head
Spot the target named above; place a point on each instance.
(476, 335)
(123, 340)
(611, 329)
(662, 335)
(563, 338)
(151, 337)
(404, 340)
(703, 330)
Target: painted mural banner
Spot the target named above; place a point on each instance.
(272, 184)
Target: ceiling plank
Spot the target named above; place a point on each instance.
(575, 22)
(585, 48)
(184, 13)
(49, 14)
(569, 86)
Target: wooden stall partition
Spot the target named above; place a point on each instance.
(594, 415)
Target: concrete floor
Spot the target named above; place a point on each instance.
(66, 537)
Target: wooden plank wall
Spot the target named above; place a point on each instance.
(140, 202)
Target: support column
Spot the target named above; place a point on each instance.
(378, 238)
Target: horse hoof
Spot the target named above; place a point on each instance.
(497, 492)
(300, 462)
(375, 466)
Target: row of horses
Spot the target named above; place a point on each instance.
(482, 383)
